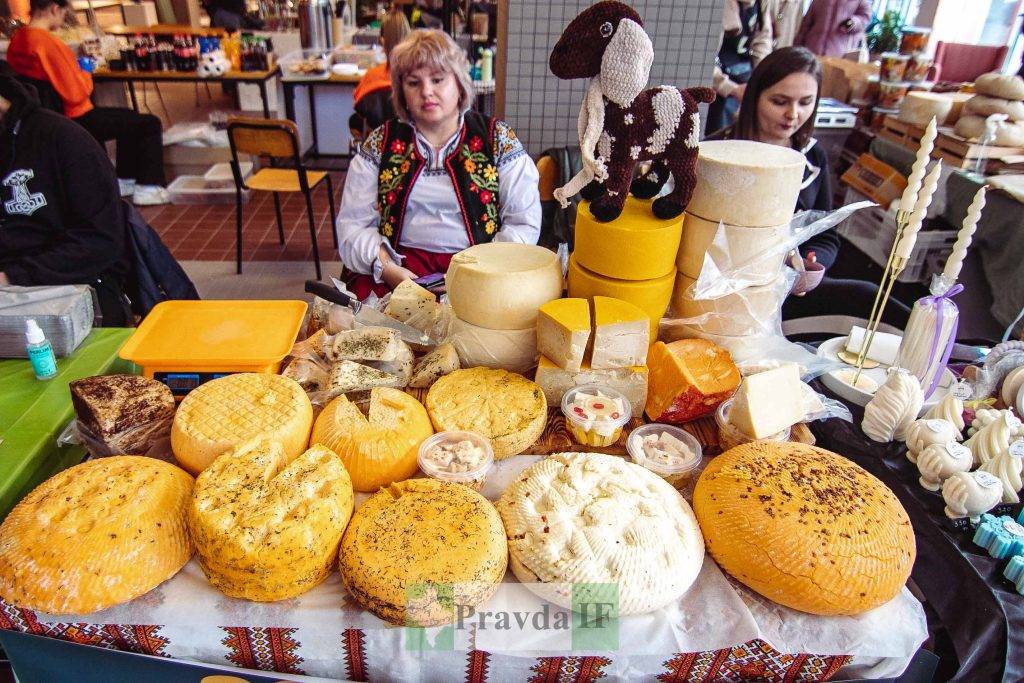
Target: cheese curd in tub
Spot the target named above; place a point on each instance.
(459, 457)
(595, 415)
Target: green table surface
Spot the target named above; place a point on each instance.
(33, 413)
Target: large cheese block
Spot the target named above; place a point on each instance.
(622, 334)
(742, 248)
(377, 448)
(502, 406)
(500, 285)
(229, 411)
(563, 331)
(556, 381)
(689, 378)
(96, 535)
(411, 543)
(751, 184)
(650, 296)
(919, 107)
(267, 527)
(587, 518)
(126, 413)
(634, 246)
(513, 350)
(768, 402)
(751, 310)
(804, 527)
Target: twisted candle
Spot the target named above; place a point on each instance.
(909, 198)
(909, 238)
(963, 238)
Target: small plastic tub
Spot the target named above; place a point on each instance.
(473, 477)
(730, 437)
(893, 65)
(601, 432)
(675, 474)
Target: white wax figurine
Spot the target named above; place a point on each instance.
(982, 417)
(971, 494)
(893, 407)
(905, 246)
(940, 461)
(924, 433)
(950, 409)
(924, 153)
(963, 238)
(994, 438)
(1006, 467)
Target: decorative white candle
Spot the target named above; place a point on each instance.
(909, 238)
(924, 152)
(963, 239)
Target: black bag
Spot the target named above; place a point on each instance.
(153, 273)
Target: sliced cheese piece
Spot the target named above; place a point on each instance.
(319, 342)
(745, 183)
(308, 374)
(563, 331)
(402, 365)
(349, 376)
(650, 296)
(556, 381)
(412, 304)
(502, 406)
(126, 413)
(500, 285)
(635, 246)
(228, 411)
(365, 343)
(622, 334)
(266, 528)
(436, 364)
(768, 402)
(884, 346)
(750, 311)
(513, 350)
(743, 247)
(96, 535)
(689, 378)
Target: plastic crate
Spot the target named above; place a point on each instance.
(873, 231)
(220, 177)
(195, 189)
(297, 56)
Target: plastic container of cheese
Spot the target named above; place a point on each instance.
(675, 473)
(473, 477)
(602, 426)
(730, 437)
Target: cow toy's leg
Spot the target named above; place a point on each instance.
(649, 184)
(592, 191)
(682, 164)
(608, 207)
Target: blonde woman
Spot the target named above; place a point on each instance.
(372, 96)
(435, 179)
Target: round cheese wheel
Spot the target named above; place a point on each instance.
(918, 108)
(804, 527)
(1005, 86)
(512, 350)
(635, 246)
(500, 285)
(983, 105)
(377, 448)
(650, 296)
(267, 527)
(587, 518)
(743, 247)
(502, 406)
(1008, 133)
(416, 535)
(228, 411)
(751, 184)
(96, 535)
(752, 310)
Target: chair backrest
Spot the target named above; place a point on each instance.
(277, 138)
(961, 62)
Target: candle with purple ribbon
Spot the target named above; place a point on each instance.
(929, 338)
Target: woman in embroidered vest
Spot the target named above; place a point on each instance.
(434, 181)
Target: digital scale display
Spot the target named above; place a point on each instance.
(180, 383)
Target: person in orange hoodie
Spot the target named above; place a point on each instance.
(36, 53)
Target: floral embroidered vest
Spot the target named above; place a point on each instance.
(471, 167)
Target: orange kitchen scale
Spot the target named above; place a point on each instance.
(186, 343)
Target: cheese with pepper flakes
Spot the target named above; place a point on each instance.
(266, 529)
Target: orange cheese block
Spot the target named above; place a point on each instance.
(689, 378)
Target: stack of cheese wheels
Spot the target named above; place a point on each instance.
(919, 107)
(629, 258)
(746, 191)
(495, 290)
(804, 527)
(996, 94)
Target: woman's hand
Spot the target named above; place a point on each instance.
(808, 278)
(394, 274)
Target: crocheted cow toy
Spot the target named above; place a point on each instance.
(620, 123)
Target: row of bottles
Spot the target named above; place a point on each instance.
(183, 53)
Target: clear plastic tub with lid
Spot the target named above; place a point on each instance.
(457, 457)
(670, 452)
(595, 414)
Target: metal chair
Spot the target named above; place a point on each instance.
(277, 139)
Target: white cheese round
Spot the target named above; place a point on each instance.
(743, 247)
(752, 310)
(513, 350)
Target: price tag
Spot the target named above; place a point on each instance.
(962, 390)
(986, 480)
(1017, 449)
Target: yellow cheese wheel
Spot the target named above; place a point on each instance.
(502, 406)
(752, 310)
(96, 535)
(411, 543)
(743, 247)
(377, 448)
(634, 246)
(267, 527)
(229, 411)
(650, 296)
(804, 527)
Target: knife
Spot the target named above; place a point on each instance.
(366, 316)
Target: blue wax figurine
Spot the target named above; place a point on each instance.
(1001, 536)
(1015, 572)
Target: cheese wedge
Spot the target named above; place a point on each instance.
(556, 381)
(412, 304)
(365, 343)
(349, 376)
(563, 330)
(436, 364)
(768, 402)
(621, 334)
(689, 379)
(650, 296)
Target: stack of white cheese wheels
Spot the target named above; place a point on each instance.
(996, 94)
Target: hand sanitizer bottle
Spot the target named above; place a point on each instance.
(40, 353)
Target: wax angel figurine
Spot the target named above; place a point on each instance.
(923, 433)
(994, 438)
(951, 409)
(893, 408)
(1007, 468)
(971, 494)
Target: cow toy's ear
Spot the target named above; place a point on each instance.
(626, 64)
(580, 50)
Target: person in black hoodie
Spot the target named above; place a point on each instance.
(60, 209)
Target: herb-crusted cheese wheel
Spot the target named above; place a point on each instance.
(635, 246)
(417, 534)
(500, 285)
(804, 527)
(377, 448)
(502, 406)
(751, 184)
(588, 518)
(229, 411)
(267, 527)
(96, 535)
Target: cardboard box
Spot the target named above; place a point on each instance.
(140, 14)
(843, 79)
(875, 180)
